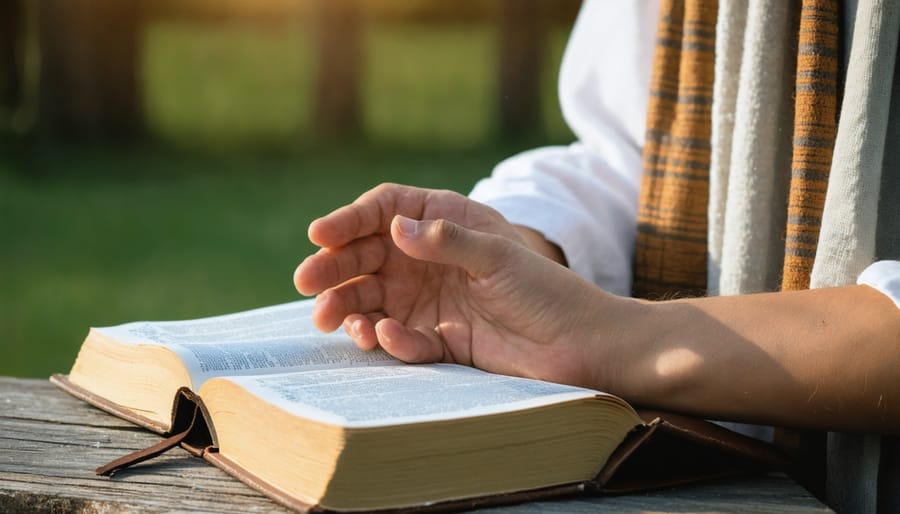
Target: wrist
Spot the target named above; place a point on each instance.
(660, 362)
(618, 344)
(641, 350)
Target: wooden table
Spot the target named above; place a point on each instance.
(50, 444)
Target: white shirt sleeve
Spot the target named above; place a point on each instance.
(885, 277)
(584, 197)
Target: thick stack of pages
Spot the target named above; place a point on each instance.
(312, 421)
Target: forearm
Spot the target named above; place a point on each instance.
(826, 358)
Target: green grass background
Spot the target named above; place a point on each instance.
(208, 215)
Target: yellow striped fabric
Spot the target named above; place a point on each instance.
(670, 253)
(815, 126)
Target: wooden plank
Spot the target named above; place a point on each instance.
(774, 494)
(50, 443)
(38, 399)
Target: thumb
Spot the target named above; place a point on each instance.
(444, 242)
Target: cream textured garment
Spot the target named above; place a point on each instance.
(751, 134)
(847, 241)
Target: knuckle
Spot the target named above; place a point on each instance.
(385, 187)
(377, 193)
(445, 231)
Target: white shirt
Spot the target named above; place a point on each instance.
(584, 197)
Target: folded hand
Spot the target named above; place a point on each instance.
(432, 276)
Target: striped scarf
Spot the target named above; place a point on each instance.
(671, 246)
(670, 253)
(815, 127)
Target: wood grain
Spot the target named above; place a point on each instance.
(50, 444)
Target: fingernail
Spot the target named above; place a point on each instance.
(352, 328)
(407, 226)
(382, 337)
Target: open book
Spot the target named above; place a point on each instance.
(314, 422)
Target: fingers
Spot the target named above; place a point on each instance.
(345, 224)
(361, 327)
(371, 213)
(349, 235)
(361, 295)
(408, 344)
(445, 242)
(331, 266)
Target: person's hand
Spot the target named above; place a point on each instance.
(432, 276)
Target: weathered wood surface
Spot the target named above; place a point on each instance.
(50, 444)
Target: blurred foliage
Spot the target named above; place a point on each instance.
(215, 86)
(558, 12)
(208, 213)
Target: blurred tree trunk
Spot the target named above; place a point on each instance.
(339, 61)
(90, 69)
(12, 28)
(522, 41)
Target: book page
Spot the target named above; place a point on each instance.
(268, 340)
(277, 321)
(389, 395)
